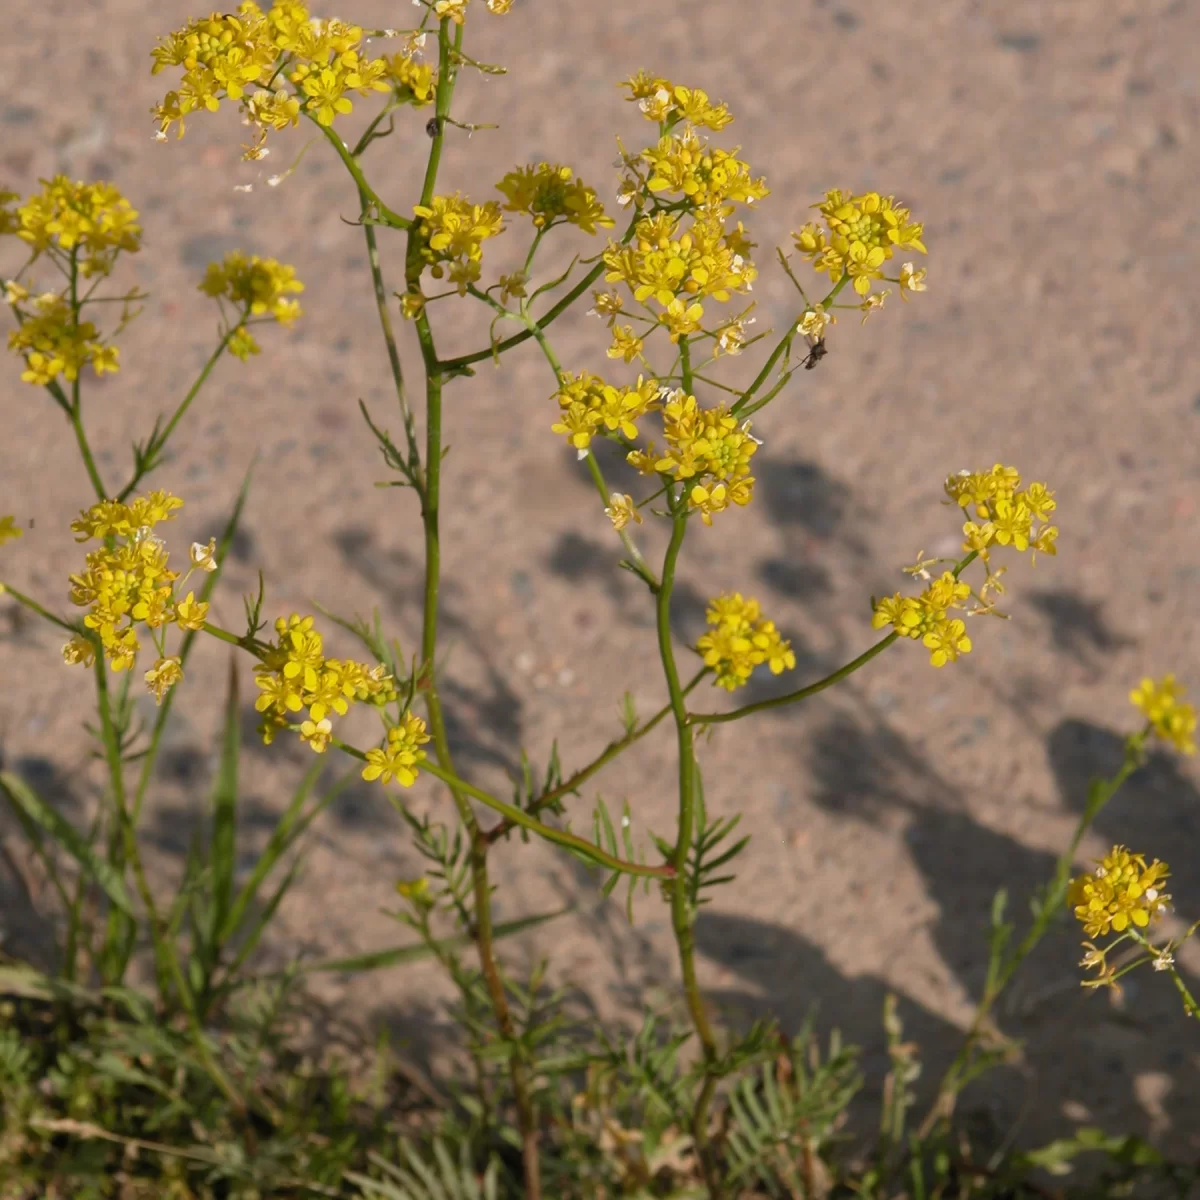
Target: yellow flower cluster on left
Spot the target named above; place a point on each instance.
(741, 639)
(89, 222)
(80, 228)
(128, 583)
(250, 56)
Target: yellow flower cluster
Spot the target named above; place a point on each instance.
(295, 674)
(550, 193)
(52, 342)
(224, 56)
(90, 222)
(1005, 512)
(701, 176)
(861, 233)
(677, 270)
(1120, 891)
(128, 583)
(452, 232)
(740, 640)
(927, 617)
(456, 10)
(259, 287)
(590, 407)
(1173, 719)
(665, 102)
(400, 754)
(706, 446)
(413, 82)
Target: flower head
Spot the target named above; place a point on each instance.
(1172, 719)
(740, 639)
(1121, 891)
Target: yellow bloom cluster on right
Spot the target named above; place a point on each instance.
(861, 233)
(740, 640)
(666, 103)
(1120, 891)
(452, 232)
(1173, 720)
(1005, 515)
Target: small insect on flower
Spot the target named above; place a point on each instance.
(817, 351)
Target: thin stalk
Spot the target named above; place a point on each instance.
(158, 441)
(585, 773)
(75, 412)
(435, 373)
(164, 949)
(681, 915)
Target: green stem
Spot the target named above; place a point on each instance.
(386, 216)
(585, 773)
(800, 694)
(157, 441)
(164, 949)
(454, 366)
(393, 352)
(435, 373)
(999, 976)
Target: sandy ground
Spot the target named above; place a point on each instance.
(1050, 148)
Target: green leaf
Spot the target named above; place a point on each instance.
(376, 959)
(26, 801)
(222, 848)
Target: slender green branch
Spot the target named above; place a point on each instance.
(454, 365)
(585, 773)
(34, 606)
(519, 817)
(386, 216)
(158, 441)
(800, 694)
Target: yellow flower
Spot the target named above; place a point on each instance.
(862, 233)
(1121, 891)
(401, 754)
(452, 232)
(317, 734)
(416, 892)
(412, 304)
(739, 640)
(91, 222)
(621, 510)
(191, 613)
(258, 286)
(1173, 720)
(910, 280)
(552, 193)
(626, 344)
(946, 641)
(165, 673)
